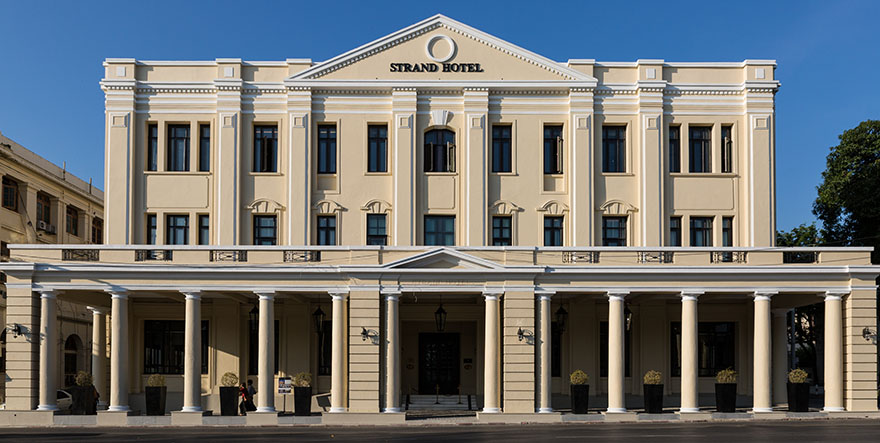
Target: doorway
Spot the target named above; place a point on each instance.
(439, 362)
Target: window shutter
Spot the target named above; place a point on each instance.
(429, 157)
(559, 154)
(450, 157)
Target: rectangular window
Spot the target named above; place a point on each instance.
(553, 230)
(177, 230)
(10, 194)
(603, 350)
(716, 344)
(701, 149)
(164, 342)
(439, 230)
(674, 149)
(253, 345)
(177, 154)
(72, 224)
(204, 229)
(326, 230)
(439, 151)
(501, 149)
(265, 148)
(204, 148)
(265, 230)
(326, 149)
(152, 147)
(151, 229)
(377, 146)
(675, 231)
(44, 208)
(376, 230)
(701, 231)
(97, 231)
(501, 230)
(727, 149)
(553, 149)
(613, 231)
(614, 149)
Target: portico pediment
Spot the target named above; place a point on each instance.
(443, 258)
(439, 51)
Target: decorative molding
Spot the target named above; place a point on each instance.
(553, 207)
(439, 117)
(376, 206)
(504, 207)
(328, 207)
(265, 206)
(617, 207)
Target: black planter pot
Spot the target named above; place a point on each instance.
(653, 399)
(302, 401)
(580, 399)
(725, 397)
(229, 400)
(799, 397)
(83, 399)
(155, 396)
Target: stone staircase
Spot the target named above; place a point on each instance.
(441, 403)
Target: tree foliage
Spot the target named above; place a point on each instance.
(848, 204)
(803, 235)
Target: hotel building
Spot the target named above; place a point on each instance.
(443, 212)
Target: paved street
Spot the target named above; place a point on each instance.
(747, 431)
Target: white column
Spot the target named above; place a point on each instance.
(119, 351)
(492, 355)
(689, 352)
(392, 353)
(544, 405)
(99, 353)
(616, 349)
(48, 351)
(192, 353)
(833, 352)
(337, 361)
(780, 355)
(266, 354)
(763, 354)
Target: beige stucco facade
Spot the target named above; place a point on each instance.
(501, 293)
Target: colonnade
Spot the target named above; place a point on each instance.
(765, 379)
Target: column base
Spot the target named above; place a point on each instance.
(491, 410)
(615, 411)
(833, 409)
(266, 410)
(688, 410)
(761, 410)
(545, 410)
(191, 409)
(391, 411)
(336, 410)
(50, 408)
(119, 408)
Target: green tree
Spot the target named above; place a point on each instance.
(848, 204)
(803, 235)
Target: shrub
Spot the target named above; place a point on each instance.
(798, 376)
(579, 377)
(653, 377)
(229, 379)
(726, 376)
(156, 380)
(83, 378)
(302, 380)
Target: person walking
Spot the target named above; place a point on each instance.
(243, 393)
(251, 392)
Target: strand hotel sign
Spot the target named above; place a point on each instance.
(441, 62)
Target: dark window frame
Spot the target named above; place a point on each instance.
(502, 148)
(614, 148)
(152, 225)
(262, 236)
(502, 230)
(325, 232)
(377, 148)
(71, 220)
(44, 208)
(204, 147)
(675, 231)
(173, 230)
(377, 233)
(97, 231)
(265, 148)
(439, 236)
(554, 234)
(726, 149)
(700, 152)
(553, 149)
(177, 161)
(621, 238)
(327, 144)
(701, 231)
(10, 193)
(674, 149)
(439, 150)
(204, 229)
(152, 154)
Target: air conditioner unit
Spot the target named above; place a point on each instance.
(41, 225)
(50, 229)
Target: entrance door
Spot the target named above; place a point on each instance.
(439, 362)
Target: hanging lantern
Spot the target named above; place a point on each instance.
(440, 318)
(561, 319)
(254, 317)
(318, 315)
(627, 317)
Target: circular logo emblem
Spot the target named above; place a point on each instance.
(434, 46)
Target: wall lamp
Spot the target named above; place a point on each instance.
(367, 334)
(15, 329)
(521, 335)
(870, 336)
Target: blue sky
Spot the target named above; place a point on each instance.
(827, 54)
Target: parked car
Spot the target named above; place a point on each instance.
(64, 400)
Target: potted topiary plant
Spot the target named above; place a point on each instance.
(85, 397)
(653, 390)
(302, 394)
(229, 392)
(725, 390)
(580, 392)
(155, 393)
(798, 391)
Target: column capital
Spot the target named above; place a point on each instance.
(690, 294)
(492, 294)
(97, 309)
(616, 295)
(265, 295)
(391, 295)
(48, 293)
(834, 295)
(338, 295)
(763, 295)
(191, 294)
(117, 292)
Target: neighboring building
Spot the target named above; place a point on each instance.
(44, 204)
(442, 211)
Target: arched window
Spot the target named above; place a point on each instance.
(440, 150)
(72, 346)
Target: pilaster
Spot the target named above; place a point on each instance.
(518, 359)
(228, 166)
(363, 350)
(474, 162)
(580, 147)
(119, 148)
(299, 171)
(403, 145)
(650, 158)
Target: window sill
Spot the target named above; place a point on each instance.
(618, 174)
(703, 174)
(265, 174)
(326, 174)
(380, 174)
(441, 173)
(177, 173)
(507, 174)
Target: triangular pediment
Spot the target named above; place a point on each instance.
(440, 50)
(443, 258)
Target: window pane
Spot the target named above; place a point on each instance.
(501, 231)
(613, 149)
(674, 149)
(152, 146)
(614, 231)
(727, 149)
(377, 144)
(326, 230)
(177, 153)
(675, 231)
(265, 231)
(501, 148)
(327, 149)
(552, 151)
(553, 231)
(701, 231)
(151, 229)
(700, 149)
(204, 229)
(265, 148)
(440, 230)
(204, 148)
(376, 234)
(177, 230)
